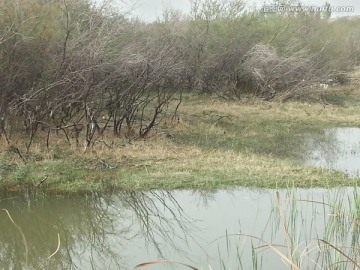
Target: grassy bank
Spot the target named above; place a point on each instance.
(79, 75)
(211, 144)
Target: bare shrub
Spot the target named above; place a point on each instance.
(83, 75)
(148, 76)
(78, 69)
(266, 74)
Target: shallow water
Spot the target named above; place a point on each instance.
(335, 148)
(208, 230)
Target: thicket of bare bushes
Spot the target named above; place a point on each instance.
(266, 54)
(79, 69)
(72, 68)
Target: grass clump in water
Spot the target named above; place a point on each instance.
(327, 238)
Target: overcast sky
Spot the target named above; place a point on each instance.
(149, 10)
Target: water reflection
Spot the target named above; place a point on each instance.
(208, 230)
(95, 231)
(336, 148)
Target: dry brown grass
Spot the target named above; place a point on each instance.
(189, 152)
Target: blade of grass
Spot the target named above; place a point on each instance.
(342, 253)
(141, 265)
(48, 258)
(285, 229)
(266, 244)
(22, 235)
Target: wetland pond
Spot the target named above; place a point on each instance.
(238, 229)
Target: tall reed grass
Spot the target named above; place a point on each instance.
(324, 237)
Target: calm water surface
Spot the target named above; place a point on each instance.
(208, 230)
(335, 148)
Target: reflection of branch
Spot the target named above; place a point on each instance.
(22, 234)
(154, 221)
(48, 258)
(92, 228)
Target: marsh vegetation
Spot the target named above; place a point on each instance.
(93, 102)
(219, 97)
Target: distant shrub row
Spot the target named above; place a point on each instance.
(82, 68)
